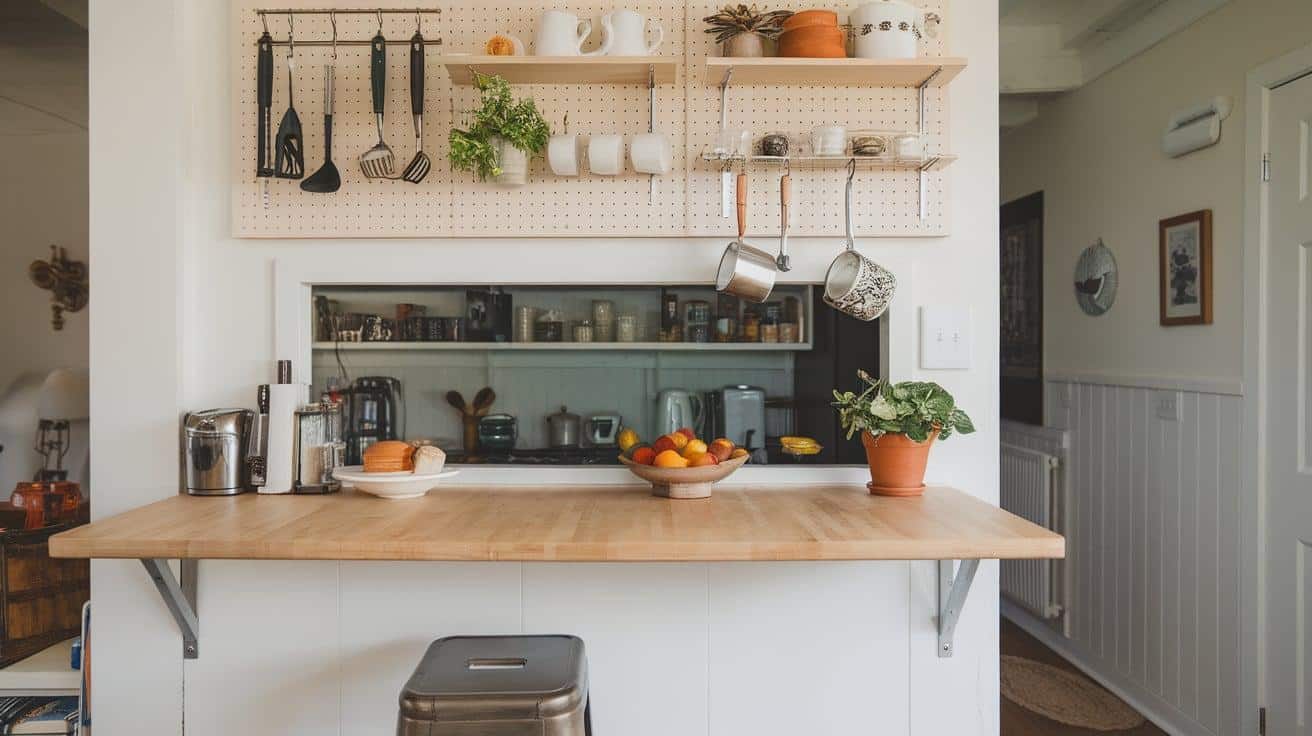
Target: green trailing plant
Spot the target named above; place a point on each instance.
(734, 20)
(517, 121)
(912, 408)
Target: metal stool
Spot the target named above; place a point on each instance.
(498, 686)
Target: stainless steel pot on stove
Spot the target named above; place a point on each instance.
(563, 429)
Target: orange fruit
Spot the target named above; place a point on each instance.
(739, 452)
(679, 439)
(687, 432)
(694, 447)
(701, 460)
(663, 443)
(670, 459)
(643, 456)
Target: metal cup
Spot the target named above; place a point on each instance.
(854, 284)
(747, 272)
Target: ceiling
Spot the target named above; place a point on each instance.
(43, 67)
(1048, 47)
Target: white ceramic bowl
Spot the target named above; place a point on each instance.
(390, 485)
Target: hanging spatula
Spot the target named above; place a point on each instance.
(378, 162)
(289, 149)
(419, 165)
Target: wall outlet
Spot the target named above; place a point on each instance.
(944, 338)
(1168, 405)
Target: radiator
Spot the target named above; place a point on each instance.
(1031, 488)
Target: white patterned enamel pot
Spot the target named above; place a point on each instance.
(857, 286)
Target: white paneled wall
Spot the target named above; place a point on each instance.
(1153, 552)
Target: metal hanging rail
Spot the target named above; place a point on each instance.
(347, 11)
(291, 14)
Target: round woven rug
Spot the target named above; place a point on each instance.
(1065, 697)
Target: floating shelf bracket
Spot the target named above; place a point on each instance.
(952, 592)
(180, 598)
(920, 126)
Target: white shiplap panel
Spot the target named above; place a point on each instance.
(1106, 490)
(1154, 498)
(1231, 499)
(1138, 608)
(1208, 561)
(1190, 471)
(1090, 414)
(1127, 430)
(1172, 559)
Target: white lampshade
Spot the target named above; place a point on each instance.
(64, 395)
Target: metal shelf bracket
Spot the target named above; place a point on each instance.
(952, 592)
(180, 598)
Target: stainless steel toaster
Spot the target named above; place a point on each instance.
(742, 415)
(214, 445)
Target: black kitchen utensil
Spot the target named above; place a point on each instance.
(289, 149)
(419, 166)
(264, 102)
(378, 162)
(326, 179)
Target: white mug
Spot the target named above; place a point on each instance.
(606, 154)
(854, 284)
(563, 154)
(563, 34)
(828, 140)
(626, 33)
(651, 153)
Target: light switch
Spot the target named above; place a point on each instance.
(944, 338)
(1168, 405)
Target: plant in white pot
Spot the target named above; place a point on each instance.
(898, 423)
(504, 134)
(742, 30)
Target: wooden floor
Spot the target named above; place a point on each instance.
(1017, 721)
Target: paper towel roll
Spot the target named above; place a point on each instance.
(284, 400)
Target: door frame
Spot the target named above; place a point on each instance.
(1252, 626)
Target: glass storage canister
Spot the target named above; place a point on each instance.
(549, 327)
(522, 331)
(697, 321)
(773, 144)
(603, 320)
(583, 331)
(751, 325)
(626, 328)
(671, 326)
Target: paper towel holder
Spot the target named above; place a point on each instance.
(1195, 128)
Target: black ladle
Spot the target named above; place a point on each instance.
(326, 179)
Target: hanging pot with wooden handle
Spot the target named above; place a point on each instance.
(745, 270)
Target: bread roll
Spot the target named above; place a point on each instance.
(429, 460)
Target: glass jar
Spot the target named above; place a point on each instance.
(769, 333)
(583, 331)
(603, 320)
(751, 326)
(773, 144)
(788, 332)
(626, 328)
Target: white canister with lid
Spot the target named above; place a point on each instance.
(890, 29)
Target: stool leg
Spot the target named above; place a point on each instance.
(587, 718)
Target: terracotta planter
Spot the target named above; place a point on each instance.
(897, 464)
(745, 45)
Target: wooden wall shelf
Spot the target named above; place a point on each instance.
(564, 69)
(929, 72)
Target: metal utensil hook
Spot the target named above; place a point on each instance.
(380, 20)
(419, 22)
(851, 169)
(332, 20)
(291, 36)
(264, 19)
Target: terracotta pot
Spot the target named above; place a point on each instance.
(805, 18)
(745, 45)
(816, 42)
(897, 464)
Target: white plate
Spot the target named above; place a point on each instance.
(390, 485)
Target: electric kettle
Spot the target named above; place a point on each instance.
(677, 408)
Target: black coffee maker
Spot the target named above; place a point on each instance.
(375, 411)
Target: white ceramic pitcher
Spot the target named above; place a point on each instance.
(562, 34)
(625, 33)
(890, 29)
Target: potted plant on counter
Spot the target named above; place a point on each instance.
(741, 30)
(504, 134)
(898, 423)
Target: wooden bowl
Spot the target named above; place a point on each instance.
(814, 42)
(684, 482)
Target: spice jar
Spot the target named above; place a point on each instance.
(626, 328)
(774, 144)
(869, 143)
(583, 331)
(603, 320)
(751, 326)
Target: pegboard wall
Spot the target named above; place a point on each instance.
(457, 204)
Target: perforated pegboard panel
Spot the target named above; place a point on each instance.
(456, 204)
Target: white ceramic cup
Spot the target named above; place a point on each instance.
(563, 153)
(606, 154)
(828, 140)
(563, 34)
(854, 284)
(628, 33)
(651, 153)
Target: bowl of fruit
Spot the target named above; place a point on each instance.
(679, 464)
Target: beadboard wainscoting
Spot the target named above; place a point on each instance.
(1154, 547)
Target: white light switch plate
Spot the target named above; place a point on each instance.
(944, 338)
(1168, 405)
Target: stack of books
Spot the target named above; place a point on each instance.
(39, 715)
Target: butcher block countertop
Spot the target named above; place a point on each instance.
(569, 523)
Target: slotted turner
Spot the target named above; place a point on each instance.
(289, 146)
(419, 166)
(378, 162)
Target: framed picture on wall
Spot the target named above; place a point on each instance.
(1185, 269)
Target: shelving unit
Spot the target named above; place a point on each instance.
(928, 163)
(45, 673)
(702, 347)
(924, 72)
(564, 69)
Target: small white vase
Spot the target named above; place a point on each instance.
(513, 163)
